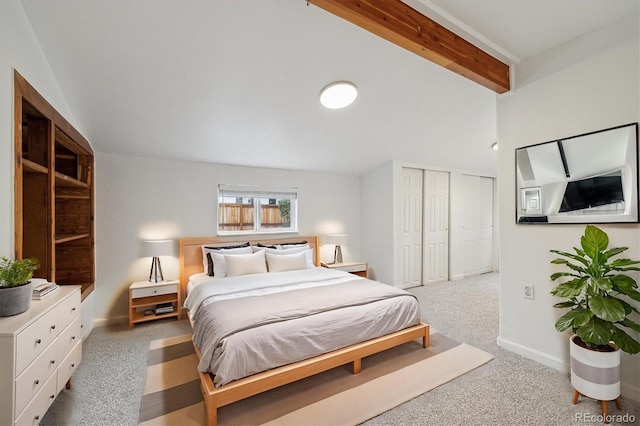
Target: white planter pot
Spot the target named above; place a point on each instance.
(595, 374)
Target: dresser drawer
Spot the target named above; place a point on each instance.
(33, 340)
(68, 366)
(69, 310)
(154, 291)
(32, 415)
(35, 376)
(68, 338)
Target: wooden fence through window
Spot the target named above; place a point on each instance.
(237, 216)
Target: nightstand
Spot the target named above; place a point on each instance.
(357, 268)
(146, 296)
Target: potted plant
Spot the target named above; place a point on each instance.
(15, 285)
(595, 287)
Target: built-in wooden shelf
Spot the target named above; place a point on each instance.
(33, 167)
(54, 191)
(67, 181)
(65, 238)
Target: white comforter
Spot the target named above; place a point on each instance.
(253, 350)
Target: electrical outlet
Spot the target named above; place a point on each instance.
(529, 292)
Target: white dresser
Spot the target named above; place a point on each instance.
(39, 351)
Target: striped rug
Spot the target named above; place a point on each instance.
(172, 395)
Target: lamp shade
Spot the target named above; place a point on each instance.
(336, 239)
(156, 248)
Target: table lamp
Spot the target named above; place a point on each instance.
(338, 240)
(155, 249)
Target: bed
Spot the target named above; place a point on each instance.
(238, 335)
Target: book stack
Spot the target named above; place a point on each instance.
(163, 308)
(40, 291)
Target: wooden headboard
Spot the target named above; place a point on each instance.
(191, 252)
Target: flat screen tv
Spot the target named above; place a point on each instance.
(592, 192)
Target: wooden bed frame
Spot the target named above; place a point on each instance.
(191, 263)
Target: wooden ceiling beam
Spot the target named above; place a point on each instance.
(402, 25)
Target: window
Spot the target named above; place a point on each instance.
(255, 209)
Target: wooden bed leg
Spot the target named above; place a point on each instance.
(357, 365)
(576, 395)
(210, 408)
(68, 385)
(425, 339)
(605, 412)
(212, 416)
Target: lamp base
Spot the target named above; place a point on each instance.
(155, 274)
(337, 254)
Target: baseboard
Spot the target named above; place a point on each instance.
(105, 322)
(457, 277)
(534, 354)
(626, 389)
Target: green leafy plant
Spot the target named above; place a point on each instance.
(593, 289)
(14, 273)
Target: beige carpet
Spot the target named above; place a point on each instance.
(172, 396)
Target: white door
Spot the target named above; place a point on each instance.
(478, 224)
(436, 226)
(411, 236)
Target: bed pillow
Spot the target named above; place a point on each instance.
(308, 254)
(282, 250)
(207, 260)
(286, 262)
(245, 264)
(284, 245)
(220, 263)
(297, 243)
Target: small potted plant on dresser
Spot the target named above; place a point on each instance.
(15, 285)
(596, 287)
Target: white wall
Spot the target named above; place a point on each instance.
(20, 50)
(376, 225)
(588, 84)
(144, 198)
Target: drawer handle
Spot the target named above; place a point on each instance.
(53, 361)
(37, 382)
(73, 337)
(37, 417)
(52, 396)
(39, 341)
(73, 309)
(53, 327)
(73, 365)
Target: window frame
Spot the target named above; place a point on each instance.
(257, 193)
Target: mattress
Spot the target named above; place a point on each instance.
(248, 324)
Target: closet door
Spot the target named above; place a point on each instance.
(478, 224)
(411, 235)
(436, 228)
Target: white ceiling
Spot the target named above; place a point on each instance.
(237, 82)
(513, 30)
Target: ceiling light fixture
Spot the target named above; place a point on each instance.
(338, 95)
(494, 146)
